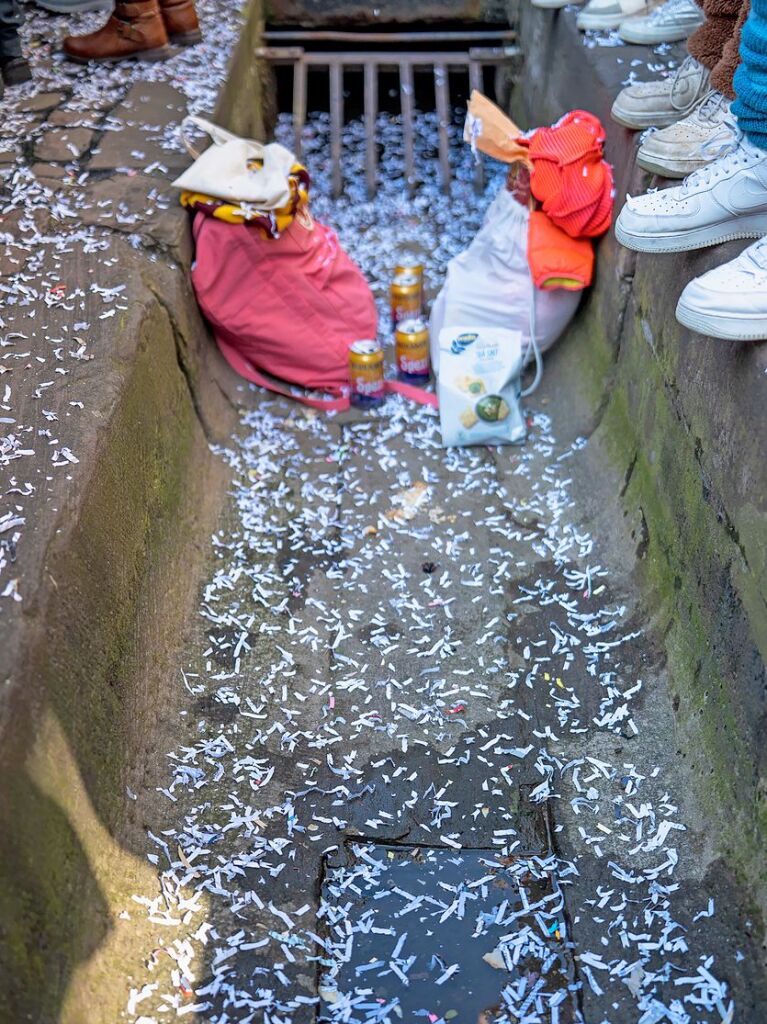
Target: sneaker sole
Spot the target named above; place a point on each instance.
(671, 169)
(553, 5)
(654, 39)
(638, 122)
(149, 56)
(593, 23)
(699, 238)
(726, 327)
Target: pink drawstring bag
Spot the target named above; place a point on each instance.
(286, 307)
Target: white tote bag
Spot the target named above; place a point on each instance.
(489, 284)
(226, 170)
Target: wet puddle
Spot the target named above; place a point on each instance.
(437, 934)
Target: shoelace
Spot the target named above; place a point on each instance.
(670, 9)
(688, 64)
(733, 154)
(709, 106)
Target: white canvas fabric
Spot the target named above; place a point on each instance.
(489, 284)
(225, 170)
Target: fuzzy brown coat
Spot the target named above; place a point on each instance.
(715, 44)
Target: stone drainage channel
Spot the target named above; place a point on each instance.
(425, 764)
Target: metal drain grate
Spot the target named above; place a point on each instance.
(372, 62)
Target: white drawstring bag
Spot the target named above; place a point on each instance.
(238, 170)
(489, 284)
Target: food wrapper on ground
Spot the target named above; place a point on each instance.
(479, 386)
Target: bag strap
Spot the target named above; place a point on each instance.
(341, 403)
(249, 372)
(419, 395)
(217, 133)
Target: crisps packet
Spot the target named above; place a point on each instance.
(479, 386)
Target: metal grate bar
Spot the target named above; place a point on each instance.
(406, 105)
(299, 104)
(428, 38)
(371, 111)
(387, 61)
(336, 125)
(406, 63)
(442, 96)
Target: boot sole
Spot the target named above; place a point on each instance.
(728, 328)
(699, 238)
(680, 169)
(149, 56)
(186, 38)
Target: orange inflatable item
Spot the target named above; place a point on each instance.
(570, 179)
(556, 259)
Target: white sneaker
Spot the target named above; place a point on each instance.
(607, 14)
(672, 21)
(661, 103)
(730, 301)
(727, 199)
(691, 143)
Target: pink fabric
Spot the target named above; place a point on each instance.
(288, 307)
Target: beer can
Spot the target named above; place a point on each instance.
(411, 347)
(406, 298)
(409, 266)
(366, 373)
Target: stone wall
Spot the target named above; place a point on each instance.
(683, 417)
(337, 13)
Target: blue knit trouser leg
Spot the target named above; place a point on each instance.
(750, 83)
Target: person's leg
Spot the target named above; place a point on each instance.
(723, 72)
(696, 139)
(750, 80)
(707, 43)
(10, 22)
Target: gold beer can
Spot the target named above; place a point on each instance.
(366, 373)
(411, 347)
(406, 298)
(410, 266)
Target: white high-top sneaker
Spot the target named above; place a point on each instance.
(672, 21)
(691, 143)
(607, 14)
(660, 103)
(725, 200)
(729, 301)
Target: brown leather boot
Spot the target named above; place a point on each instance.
(181, 22)
(135, 29)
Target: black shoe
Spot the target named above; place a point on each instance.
(15, 70)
